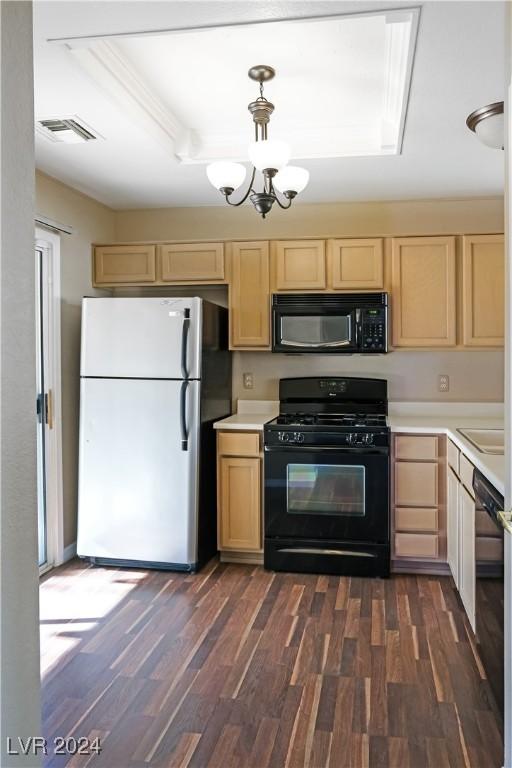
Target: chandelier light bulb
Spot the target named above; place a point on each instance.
(270, 153)
(224, 174)
(292, 178)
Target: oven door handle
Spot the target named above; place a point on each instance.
(375, 450)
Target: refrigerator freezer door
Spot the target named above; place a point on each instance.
(138, 493)
(141, 338)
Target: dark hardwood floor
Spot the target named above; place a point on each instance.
(237, 667)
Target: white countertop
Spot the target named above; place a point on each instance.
(426, 418)
(251, 415)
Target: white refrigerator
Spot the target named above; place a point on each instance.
(155, 373)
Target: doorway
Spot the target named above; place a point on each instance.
(49, 452)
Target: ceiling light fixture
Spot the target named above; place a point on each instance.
(488, 124)
(266, 155)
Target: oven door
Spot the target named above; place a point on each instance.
(313, 330)
(331, 494)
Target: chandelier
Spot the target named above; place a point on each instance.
(268, 156)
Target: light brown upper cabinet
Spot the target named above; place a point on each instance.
(191, 262)
(249, 295)
(299, 265)
(124, 264)
(424, 292)
(483, 288)
(355, 264)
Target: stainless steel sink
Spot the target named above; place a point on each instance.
(485, 440)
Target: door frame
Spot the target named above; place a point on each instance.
(49, 243)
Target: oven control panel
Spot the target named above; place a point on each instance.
(290, 437)
(374, 329)
(360, 438)
(304, 438)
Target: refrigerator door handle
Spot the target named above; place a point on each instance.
(183, 415)
(184, 342)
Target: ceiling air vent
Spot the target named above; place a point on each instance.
(67, 130)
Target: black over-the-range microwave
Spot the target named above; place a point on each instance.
(328, 323)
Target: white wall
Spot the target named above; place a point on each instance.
(19, 608)
(91, 221)
(412, 375)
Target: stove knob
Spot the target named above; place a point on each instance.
(368, 438)
(299, 436)
(283, 437)
(351, 438)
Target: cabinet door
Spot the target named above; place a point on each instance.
(191, 262)
(300, 265)
(452, 524)
(483, 287)
(467, 553)
(415, 484)
(424, 292)
(355, 264)
(239, 503)
(249, 296)
(116, 264)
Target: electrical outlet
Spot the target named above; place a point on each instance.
(443, 382)
(248, 380)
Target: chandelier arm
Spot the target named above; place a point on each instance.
(244, 198)
(276, 196)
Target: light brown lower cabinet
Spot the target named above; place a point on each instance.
(467, 567)
(240, 480)
(239, 496)
(466, 532)
(418, 500)
(452, 524)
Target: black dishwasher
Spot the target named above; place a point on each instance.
(489, 596)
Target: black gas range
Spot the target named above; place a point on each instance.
(327, 477)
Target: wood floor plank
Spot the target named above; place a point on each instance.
(236, 667)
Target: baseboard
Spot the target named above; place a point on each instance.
(69, 552)
(435, 568)
(243, 558)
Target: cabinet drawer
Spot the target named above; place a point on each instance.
(416, 447)
(416, 519)
(416, 545)
(416, 484)
(453, 455)
(466, 474)
(239, 443)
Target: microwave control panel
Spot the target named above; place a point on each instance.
(374, 329)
